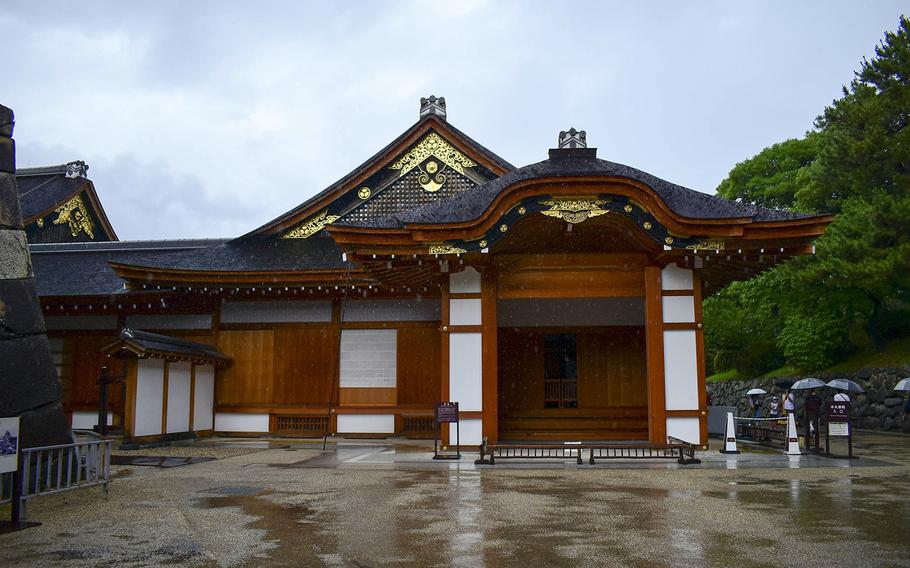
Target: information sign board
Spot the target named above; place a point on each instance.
(838, 429)
(446, 412)
(9, 444)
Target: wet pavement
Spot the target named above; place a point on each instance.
(286, 503)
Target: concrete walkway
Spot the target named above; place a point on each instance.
(285, 503)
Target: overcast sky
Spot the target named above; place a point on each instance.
(207, 119)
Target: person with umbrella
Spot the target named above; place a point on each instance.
(754, 395)
(812, 405)
(789, 403)
(774, 408)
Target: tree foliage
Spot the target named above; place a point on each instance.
(856, 163)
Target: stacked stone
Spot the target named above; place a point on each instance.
(879, 408)
(29, 386)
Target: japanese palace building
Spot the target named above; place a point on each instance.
(555, 301)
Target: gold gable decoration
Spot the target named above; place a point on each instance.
(432, 146)
(75, 214)
(446, 248)
(707, 245)
(311, 226)
(574, 210)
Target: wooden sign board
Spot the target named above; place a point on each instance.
(9, 444)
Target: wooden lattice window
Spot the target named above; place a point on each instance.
(560, 370)
(301, 425)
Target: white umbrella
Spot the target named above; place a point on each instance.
(756, 391)
(903, 385)
(806, 384)
(841, 397)
(845, 385)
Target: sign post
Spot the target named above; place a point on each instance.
(838, 415)
(447, 413)
(9, 463)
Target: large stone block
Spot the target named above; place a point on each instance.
(10, 217)
(45, 426)
(14, 259)
(20, 313)
(29, 377)
(7, 155)
(6, 121)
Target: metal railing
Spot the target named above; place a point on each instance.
(680, 450)
(52, 469)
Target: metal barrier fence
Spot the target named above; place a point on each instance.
(53, 469)
(680, 450)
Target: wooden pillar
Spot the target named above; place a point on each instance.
(700, 360)
(654, 341)
(490, 356)
(444, 351)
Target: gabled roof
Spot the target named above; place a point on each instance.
(145, 345)
(492, 163)
(67, 197)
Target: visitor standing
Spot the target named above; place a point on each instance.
(774, 407)
(813, 408)
(789, 403)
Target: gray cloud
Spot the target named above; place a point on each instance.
(210, 118)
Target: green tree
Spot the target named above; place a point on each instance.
(856, 163)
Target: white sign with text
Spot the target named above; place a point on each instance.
(9, 444)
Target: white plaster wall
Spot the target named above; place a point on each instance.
(464, 312)
(369, 358)
(676, 278)
(570, 312)
(178, 397)
(366, 423)
(55, 323)
(268, 312)
(471, 432)
(465, 282)
(86, 420)
(237, 422)
(678, 309)
(164, 321)
(392, 310)
(680, 370)
(204, 398)
(688, 429)
(466, 370)
(149, 397)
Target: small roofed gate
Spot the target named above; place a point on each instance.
(170, 389)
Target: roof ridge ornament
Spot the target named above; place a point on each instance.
(76, 169)
(433, 105)
(573, 139)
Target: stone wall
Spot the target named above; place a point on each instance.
(29, 386)
(879, 408)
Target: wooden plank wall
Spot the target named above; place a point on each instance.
(611, 367)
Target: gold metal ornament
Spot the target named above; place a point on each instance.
(432, 145)
(364, 193)
(74, 213)
(522, 210)
(647, 225)
(669, 240)
(311, 226)
(503, 228)
(482, 244)
(434, 184)
(627, 208)
(446, 248)
(40, 222)
(574, 210)
(432, 167)
(707, 245)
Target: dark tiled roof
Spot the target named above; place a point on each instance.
(472, 203)
(38, 193)
(318, 252)
(81, 269)
(145, 344)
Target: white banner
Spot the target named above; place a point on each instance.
(9, 444)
